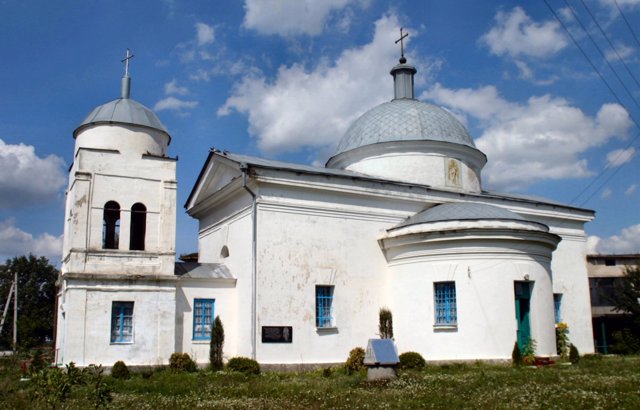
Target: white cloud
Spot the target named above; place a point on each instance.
(295, 17)
(619, 157)
(173, 88)
(205, 34)
(516, 35)
(621, 3)
(631, 190)
(27, 179)
(174, 104)
(15, 242)
(606, 193)
(628, 241)
(539, 140)
(314, 107)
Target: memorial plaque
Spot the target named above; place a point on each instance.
(381, 352)
(277, 334)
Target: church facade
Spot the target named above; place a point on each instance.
(297, 260)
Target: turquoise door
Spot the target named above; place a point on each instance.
(522, 291)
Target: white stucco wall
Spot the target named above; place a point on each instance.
(225, 296)
(86, 327)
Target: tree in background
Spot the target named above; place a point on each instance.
(626, 298)
(386, 324)
(217, 342)
(36, 300)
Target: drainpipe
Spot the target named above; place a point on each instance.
(244, 168)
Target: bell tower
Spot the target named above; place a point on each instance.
(116, 298)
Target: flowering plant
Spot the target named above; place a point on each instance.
(562, 339)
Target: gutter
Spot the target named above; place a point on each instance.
(244, 168)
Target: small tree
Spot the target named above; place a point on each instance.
(217, 342)
(626, 298)
(386, 324)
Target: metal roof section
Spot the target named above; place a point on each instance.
(122, 111)
(195, 270)
(404, 120)
(461, 211)
(310, 169)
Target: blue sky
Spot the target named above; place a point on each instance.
(284, 79)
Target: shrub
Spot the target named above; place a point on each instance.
(562, 340)
(386, 324)
(574, 355)
(217, 342)
(326, 372)
(243, 365)
(516, 355)
(355, 362)
(412, 360)
(529, 352)
(120, 370)
(625, 342)
(182, 362)
(99, 393)
(52, 387)
(38, 362)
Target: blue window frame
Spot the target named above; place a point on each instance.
(324, 306)
(122, 322)
(557, 304)
(202, 318)
(445, 303)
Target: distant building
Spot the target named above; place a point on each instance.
(604, 271)
(297, 260)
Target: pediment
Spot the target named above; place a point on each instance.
(217, 173)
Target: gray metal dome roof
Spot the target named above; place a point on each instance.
(122, 111)
(404, 120)
(460, 212)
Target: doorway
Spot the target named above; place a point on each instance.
(522, 292)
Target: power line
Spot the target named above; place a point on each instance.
(627, 23)
(604, 34)
(604, 57)
(615, 95)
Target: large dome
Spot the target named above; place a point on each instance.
(122, 111)
(404, 120)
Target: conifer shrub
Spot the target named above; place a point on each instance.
(217, 342)
(385, 326)
(120, 371)
(516, 355)
(182, 362)
(574, 355)
(355, 361)
(243, 365)
(412, 360)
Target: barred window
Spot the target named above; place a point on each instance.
(324, 306)
(445, 303)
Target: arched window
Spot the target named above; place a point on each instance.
(138, 227)
(111, 225)
(224, 252)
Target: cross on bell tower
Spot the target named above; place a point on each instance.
(126, 80)
(126, 62)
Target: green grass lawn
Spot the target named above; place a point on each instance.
(597, 382)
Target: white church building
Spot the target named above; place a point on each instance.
(297, 260)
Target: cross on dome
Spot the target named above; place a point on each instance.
(400, 40)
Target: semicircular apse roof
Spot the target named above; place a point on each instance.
(122, 111)
(404, 120)
(460, 211)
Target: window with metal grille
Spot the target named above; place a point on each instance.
(202, 318)
(445, 303)
(122, 322)
(324, 306)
